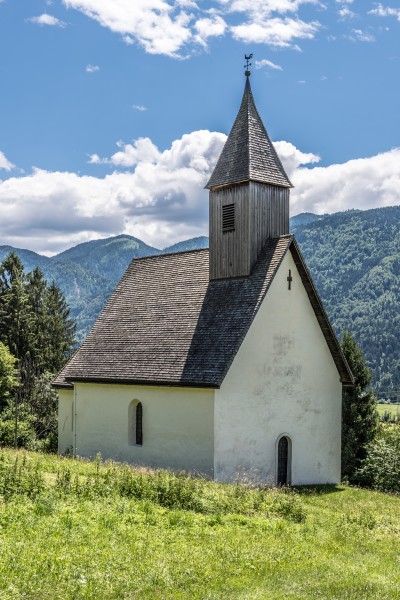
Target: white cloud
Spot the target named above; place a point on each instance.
(385, 11)
(362, 183)
(139, 107)
(176, 27)
(142, 150)
(267, 63)
(292, 158)
(275, 31)
(158, 26)
(162, 201)
(5, 163)
(46, 19)
(92, 68)
(357, 35)
(207, 27)
(346, 13)
(267, 7)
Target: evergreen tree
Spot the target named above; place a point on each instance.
(8, 375)
(14, 312)
(60, 329)
(359, 414)
(36, 326)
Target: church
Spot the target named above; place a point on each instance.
(221, 361)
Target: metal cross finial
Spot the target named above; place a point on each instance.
(248, 64)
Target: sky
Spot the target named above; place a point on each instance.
(113, 112)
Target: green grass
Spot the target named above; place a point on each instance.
(80, 530)
(392, 409)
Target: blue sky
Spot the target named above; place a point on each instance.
(113, 112)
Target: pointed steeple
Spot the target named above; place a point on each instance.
(248, 154)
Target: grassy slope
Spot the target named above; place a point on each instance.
(116, 547)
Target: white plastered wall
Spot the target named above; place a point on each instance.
(283, 380)
(65, 420)
(178, 425)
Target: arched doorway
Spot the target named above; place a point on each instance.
(283, 475)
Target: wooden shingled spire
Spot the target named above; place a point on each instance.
(248, 154)
(249, 195)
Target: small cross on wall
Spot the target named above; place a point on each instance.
(289, 280)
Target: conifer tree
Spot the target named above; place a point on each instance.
(36, 326)
(359, 414)
(8, 375)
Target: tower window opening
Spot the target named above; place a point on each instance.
(228, 218)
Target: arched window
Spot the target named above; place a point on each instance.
(284, 460)
(135, 423)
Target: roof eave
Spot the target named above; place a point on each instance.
(113, 380)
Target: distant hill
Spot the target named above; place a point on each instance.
(304, 219)
(354, 258)
(107, 257)
(192, 244)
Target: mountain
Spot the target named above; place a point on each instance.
(304, 219)
(353, 256)
(192, 244)
(108, 257)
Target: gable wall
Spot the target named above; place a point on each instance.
(177, 425)
(283, 380)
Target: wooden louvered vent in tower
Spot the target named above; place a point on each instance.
(228, 218)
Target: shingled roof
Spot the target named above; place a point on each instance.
(167, 324)
(248, 153)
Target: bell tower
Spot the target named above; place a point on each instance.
(249, 194)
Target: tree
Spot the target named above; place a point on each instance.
(8, 375)
(36, 326)
(359, 414)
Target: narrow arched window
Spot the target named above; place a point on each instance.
(139, 424)
(135, 423)
(283, 461)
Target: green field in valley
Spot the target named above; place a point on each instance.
(392, 409)
(71, 529)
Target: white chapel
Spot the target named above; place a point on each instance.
(222, 361)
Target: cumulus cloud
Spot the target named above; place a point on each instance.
(385, 11)
(161, 198)
(176, 27)
(142, 150)
(92, 68)
(46, 19)
(209, 27)
(279, 32)
(358, 35)
(158, 26)
(260, 64)
(362, 183)
(346, 13)
(5, 163)
(161, 201)
(139, 107)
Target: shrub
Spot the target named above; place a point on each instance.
(26, 437)
(19, 478)
(381, 468)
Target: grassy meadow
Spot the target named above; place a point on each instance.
(72, 529)
(392, 409)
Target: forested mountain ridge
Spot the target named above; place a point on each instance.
(354, 258)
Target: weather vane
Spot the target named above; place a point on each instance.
(247, 57)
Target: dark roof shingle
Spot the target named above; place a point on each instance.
(166, 323)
